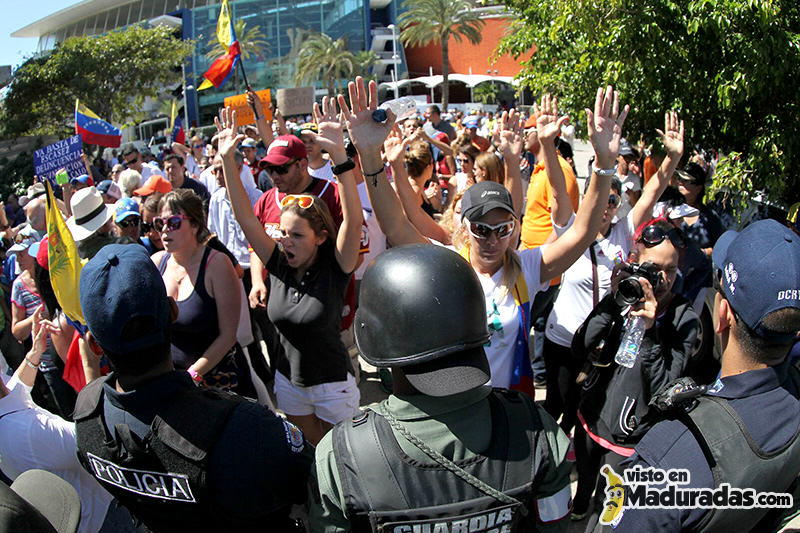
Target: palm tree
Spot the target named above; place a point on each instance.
(426, 21)
(365, 60)
(485, 92)
(320, 57)
(251, 42)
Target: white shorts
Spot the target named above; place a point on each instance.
(331, 402)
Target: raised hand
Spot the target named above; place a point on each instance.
(366, 134)
(255, 102)
(394, 147)
(548, 124)
(330, 126)
(227, 137)
(510, 139)
(605, 126)
(672, 136)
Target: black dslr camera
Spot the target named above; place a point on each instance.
(629, 290)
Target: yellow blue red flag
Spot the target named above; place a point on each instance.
(93, 129)
(221, 69)
(63, 260)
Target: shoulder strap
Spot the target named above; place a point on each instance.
(595, 280)
(88, 399)
(200, 282)
(162, 264)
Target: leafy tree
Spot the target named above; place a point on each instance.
(435, 21)
(485, 92)
(112, 74)
(322, 58)
(365, 60)
(251, 42)
(729, 66)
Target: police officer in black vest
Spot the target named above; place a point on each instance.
(444, 452)
(180, 458)
(744, 430)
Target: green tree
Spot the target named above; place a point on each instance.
(485, 92)
(729, 66)
(111, 74)
(251, 42)
(435, 21)
(322, 58)
(365, 60)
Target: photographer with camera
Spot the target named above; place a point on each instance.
(613, 412)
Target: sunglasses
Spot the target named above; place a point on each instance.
(146, 227)
(463, 160)
(481, 230)
(172, 223)
(128, 222)
(280, 169)
(303, 200)
(132, 161)
(613, 200)
(654, 235)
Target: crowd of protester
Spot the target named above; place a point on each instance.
(261, 236)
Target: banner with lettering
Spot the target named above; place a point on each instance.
(64, 154)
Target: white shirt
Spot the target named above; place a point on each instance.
(574, 301)
(222, 222)
(192, 167)
(325, 172)
(147, 171)
(625, 206)
(208, 179)
(31, 437)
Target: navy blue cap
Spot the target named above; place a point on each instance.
(760, 273)
(120, 283)
(482, 198)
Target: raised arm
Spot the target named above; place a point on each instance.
(368, 136)
(394, 148)
(264, 127)
(331, 139)
(605, 131)
(672, 138)
(511, 144)
(228, 140)
(548, 126)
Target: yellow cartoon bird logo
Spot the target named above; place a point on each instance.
(615, 497)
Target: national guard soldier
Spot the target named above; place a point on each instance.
(180, 458)
(444, 452)
(744, 430)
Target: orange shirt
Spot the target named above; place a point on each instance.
(649, 169)
(537, 224)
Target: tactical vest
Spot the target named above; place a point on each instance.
(385, 490)
(161, 478)
(736, 459)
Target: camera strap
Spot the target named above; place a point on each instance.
(595, 281)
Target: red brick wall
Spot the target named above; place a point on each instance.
(464, 55)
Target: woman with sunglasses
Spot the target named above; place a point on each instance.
(192, 155)
(207, 291)
(489, 211)
(465, 177)
(309, 272)
(587, 281)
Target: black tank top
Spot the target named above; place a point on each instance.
(197, 326)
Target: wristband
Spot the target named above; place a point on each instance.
(196, 377)
(372, 175)
(341, 168)
(31, 365)
(606, 172)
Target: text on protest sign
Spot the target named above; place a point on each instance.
(64, 154)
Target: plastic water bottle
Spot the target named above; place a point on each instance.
(403, 108)
(631, 341)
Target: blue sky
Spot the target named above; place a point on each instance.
(17, 15)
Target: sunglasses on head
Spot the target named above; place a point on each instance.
(303, 200)
(172, 223)
(128, 222)
(654, 235)
(481, 230)
(280, 169)
(613, 200)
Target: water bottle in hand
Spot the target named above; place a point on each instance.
(403, 108)
(631, 341)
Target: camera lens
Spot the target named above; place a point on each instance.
(629, 291)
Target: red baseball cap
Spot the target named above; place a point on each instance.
(284, 149)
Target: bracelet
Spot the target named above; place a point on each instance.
(605, 172)
(31, 365)
(341, 168)
(372, 175)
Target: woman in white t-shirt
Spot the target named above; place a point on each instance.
(576, 297)
(490, 215)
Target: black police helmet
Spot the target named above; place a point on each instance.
(422, 308)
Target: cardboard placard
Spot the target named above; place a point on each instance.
(297, 101)
(244, 113)
(64, 154)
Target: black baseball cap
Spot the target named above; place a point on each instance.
(482, 198)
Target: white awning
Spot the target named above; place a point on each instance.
(470, 80)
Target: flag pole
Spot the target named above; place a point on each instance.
(247, 84)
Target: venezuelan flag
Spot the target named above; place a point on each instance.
(64, 263)
(178, 134)
(221, 69)
(93, 129)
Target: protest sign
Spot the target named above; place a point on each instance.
(297, 101)
(64, 154)
(244, 113)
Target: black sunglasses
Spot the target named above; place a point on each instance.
(613, 200)
(146, 227)
(280, 169)
(654, 235)
(132, 161)
(128, 222)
